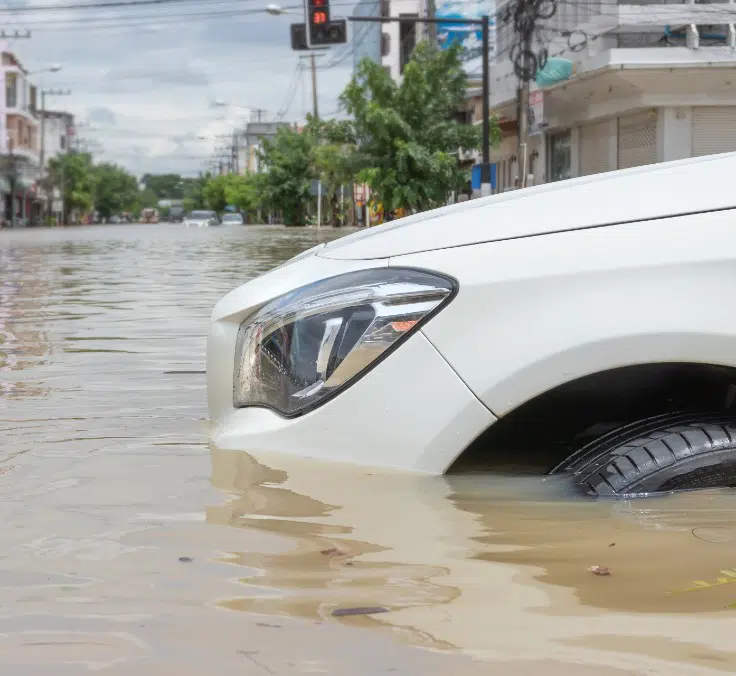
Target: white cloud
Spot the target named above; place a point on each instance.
(144, 79)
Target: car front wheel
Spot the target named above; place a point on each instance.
(659, 455)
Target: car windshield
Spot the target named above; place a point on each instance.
(200, 215)
(232, 217)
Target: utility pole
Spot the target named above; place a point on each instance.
(235, 169)
(13, 180)
(315, 106)
(432, 27)
(526, 14)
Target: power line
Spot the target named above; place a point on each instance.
(115, 4)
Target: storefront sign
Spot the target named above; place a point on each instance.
(536, 112)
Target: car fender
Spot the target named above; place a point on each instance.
(533, 313)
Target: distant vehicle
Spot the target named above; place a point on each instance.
(232, 219)
(202, 219)
(176, 214)
(149, 216)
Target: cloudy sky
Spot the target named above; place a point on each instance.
(144, 78)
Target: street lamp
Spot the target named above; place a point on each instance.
(275, 10)
(53, 68)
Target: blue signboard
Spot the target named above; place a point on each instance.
(475, 176)
(469, 36)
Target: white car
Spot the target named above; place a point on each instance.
(582, 327)
(232, 219)
(202, 219)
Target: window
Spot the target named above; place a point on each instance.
(62, 142)
(385, 44)
(559, 156)
(407, 40)
(11, 90)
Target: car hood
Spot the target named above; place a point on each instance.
(655, 191)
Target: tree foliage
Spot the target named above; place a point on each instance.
(407, 136)
(165, 186)
(73, 174)
(288, 163)
(114, 190)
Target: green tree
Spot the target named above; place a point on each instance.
(147, 199)
(194, 192)
(244, 192)
(214, 192)
(335, 161)
(288, 163)
(407, 137)
(165, 186)
(114, 189)
(73, 174)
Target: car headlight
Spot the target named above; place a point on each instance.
(304, 347)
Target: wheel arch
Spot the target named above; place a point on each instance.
(595, 358)
(542, 430)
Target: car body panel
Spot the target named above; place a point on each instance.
(531, 313)
(413, 420)
(405, 416)
(637, 194)
(536, 313)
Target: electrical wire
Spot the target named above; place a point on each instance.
(291, 91)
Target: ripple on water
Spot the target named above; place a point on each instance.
(126, 540)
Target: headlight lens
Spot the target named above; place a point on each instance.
(307, 345)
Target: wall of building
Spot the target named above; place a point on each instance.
(366, 38)
(56, 134)
(392, 54)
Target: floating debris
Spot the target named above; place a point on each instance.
(338, 612)
(599, 570)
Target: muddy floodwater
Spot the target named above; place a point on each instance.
(128, 545)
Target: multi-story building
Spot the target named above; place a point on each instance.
(389, 44)
(253, 137)
(641, 82)
(58, 133)
(19, 141)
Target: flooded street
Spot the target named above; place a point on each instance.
(130, 546)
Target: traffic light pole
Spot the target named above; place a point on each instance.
(484, 23)
(315, 107)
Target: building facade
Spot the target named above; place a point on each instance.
(644, 83)
(19, 143)
(249, 152)
(390, 44)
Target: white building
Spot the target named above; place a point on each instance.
(391, 43)
(651, 82)
(58, 133)
(19, 141)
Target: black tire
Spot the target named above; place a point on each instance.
(660, 455)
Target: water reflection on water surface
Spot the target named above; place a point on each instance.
(129, 544)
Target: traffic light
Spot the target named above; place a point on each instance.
(321, 30)
(299, 37)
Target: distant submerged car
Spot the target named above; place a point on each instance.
(232, 219)
(176, 214)
(202, 219)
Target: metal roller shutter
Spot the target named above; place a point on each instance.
(594, 148)
(637, 140)
(714, 130)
